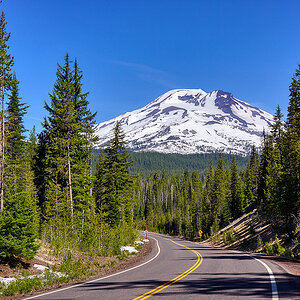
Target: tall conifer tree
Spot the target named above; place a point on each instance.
(6, 63)
(19, 220)
(68, 139)
(236, 190)
(14, 125)
(61, 126)
(290, 207)
(117, 179)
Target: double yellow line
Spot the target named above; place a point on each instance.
(187, 272)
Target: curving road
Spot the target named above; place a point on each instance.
(179, 269)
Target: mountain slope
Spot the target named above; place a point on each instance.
(190, 121)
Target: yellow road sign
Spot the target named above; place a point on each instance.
(200, 232)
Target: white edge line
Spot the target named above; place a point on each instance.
(98, 279)
(272, 279)
(271, 275)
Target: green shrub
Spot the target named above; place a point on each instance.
(18, 227)
(269, 248)
(259, 242)
(215, 238)
(288, 252)
(229, 236)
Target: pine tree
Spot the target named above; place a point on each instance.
(196, 203)
(251, 177)
(41, 173)
(62, 130)
(290, 206)
(277, 127)
(236, 190)
(118, 180)
(99, 187)
(67, 143)
(85, 118)
(86, 140)
(293, 118)
(6, 63)
(266, 184)
(18, 225)
(32, 146)
(19, 219)
(208, 198)
(219, 191)
(15, 127)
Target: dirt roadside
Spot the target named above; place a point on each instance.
(131, 261)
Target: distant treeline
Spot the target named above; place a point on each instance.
(146, 163)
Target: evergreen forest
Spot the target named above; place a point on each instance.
(146, 163)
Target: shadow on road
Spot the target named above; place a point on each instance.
(211, 284)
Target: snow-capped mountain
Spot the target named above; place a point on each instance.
(190, 121)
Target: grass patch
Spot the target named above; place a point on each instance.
(28, 284)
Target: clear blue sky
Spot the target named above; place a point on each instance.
(133, 51)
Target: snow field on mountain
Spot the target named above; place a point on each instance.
(191, 121)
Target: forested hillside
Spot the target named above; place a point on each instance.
(183, 203)
(147, 163)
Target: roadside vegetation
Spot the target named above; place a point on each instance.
(250, 233)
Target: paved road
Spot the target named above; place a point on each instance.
(184, 270)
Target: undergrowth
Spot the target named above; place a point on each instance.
(80, 257)
(274, 247)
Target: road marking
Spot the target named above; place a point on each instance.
(272, 279)
(101, 278)
(172, 281)
(274, 289)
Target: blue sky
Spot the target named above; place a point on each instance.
(131, 52)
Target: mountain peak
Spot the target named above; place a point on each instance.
(191, 121)
(187, 95)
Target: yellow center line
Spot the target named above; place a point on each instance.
(172, 281)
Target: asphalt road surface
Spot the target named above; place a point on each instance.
(179, 269)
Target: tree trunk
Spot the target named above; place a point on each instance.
(70, 181)
(90, 172)
(2, 153)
